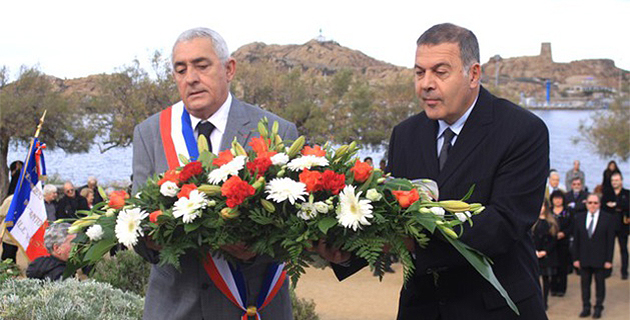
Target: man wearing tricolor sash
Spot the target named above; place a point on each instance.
(212, 288)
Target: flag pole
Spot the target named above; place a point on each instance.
(19, 185)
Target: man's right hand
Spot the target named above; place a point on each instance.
(334, 255)
(576, 264)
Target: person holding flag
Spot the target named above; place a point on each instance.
(26, 219)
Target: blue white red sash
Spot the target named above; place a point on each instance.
(178, 139)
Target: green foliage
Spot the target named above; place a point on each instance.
(8, 270)
(609, 133)
(66, 300)
(303, 309)
(22, 104)
(131, 95)
(126, 271)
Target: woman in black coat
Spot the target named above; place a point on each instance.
(565, 230)
(611, 168)
(545, 231)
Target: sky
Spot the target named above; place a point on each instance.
(70, 39)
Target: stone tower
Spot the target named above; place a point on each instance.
(545, 52)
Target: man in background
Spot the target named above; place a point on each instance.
(617, 203)
(70, 202)
(574, 172)
(593, 242)
(553, 184)
(58, 243)
(92, 184)
(576, 198)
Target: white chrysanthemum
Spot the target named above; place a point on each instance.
(373, 195)
(461, 216)
(321, 207)
(231, 168)
(279, 159)
(95, 232)
(438, 211)
(128, 227)
(307, 162)
(307, 211)
(190, 207)
(351, 211)
(281, 189)
(169, 189)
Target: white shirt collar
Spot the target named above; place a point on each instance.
(218, 119)
(595, 218)
(458, 125)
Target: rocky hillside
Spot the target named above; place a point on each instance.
(323, 57)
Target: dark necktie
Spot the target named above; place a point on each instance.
(205, 129)
(591, 226)
(446, 146)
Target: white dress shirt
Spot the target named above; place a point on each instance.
(455, 127)
(219, 121)
(591, 216)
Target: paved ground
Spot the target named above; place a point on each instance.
(363, 297)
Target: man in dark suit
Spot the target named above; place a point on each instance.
(203, 70)
(576, 197)
(593, 242)
(466, 136)
(617, 203)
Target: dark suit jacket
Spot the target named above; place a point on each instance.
(504, 151)
(595, 251)
(580, 204)
(620, 210)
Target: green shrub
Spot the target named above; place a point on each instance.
(25, 299)
(126, 271)
(8, 270)
(303, 309)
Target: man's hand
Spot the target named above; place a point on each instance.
(560, 235)
(576, 264)
(541, 254)
(626, 220)
(607, 265)
(611, 204)
(330, 254)
(239, 251)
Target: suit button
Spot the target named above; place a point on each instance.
(205, 286)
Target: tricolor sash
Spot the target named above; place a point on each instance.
(178, 139)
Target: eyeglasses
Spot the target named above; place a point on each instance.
(593, 202)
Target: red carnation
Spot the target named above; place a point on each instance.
(117, 199)
(154, 216)
(361, 170)
(224, 157)
(314, 151)
(236, 190)
(406, 198)
(170, 175)
(333, 182)
(312, 180)
(259, 165)
(190, 170)
(185, 191)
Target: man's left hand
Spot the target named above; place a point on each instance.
(607, 265)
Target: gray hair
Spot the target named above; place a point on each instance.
(554, 173)
(219, 45)
(55, 235)
(450, 33)
(49, 188)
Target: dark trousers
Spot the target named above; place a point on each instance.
(586, 274)
(559, 280)
(9, 251)
(622, 239)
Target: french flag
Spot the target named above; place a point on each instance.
(26, 220)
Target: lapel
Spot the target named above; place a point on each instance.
(237, 125)
(428, 145)
(474, 131)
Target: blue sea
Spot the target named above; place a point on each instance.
(114, 166)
